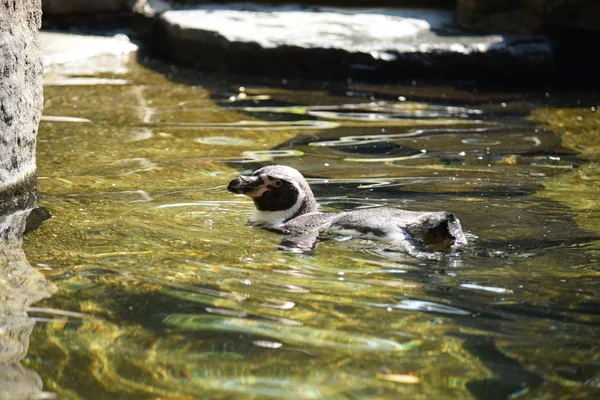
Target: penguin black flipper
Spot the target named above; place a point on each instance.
(303, 233)
(301, 242)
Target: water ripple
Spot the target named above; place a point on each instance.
(380, 110)
(251, 125)
(273, 388)
(427, 306)
(63, 118)
(268, 155)
(486, 288)
(371, 139)
(293, 335)
(225, 141)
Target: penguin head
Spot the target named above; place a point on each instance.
(279, 193)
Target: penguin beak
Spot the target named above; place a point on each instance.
(252, 186)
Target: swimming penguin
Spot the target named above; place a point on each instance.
(284, 202)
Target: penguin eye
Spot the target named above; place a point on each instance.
(277, 183)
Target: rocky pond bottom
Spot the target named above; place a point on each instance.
(162, 291)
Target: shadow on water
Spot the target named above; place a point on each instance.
(510, 378)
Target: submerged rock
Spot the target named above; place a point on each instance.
(338, 43)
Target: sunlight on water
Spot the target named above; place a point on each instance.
(164, 291)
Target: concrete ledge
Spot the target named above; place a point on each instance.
(337, 43)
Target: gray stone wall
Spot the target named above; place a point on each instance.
(21, 100)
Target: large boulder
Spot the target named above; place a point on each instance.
(345, 3)
(337, 43)
(21, 100)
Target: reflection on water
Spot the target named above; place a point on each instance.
(165, 292)
(20, 286)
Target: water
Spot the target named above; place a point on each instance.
(162, 291)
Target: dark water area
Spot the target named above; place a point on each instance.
(163, 291)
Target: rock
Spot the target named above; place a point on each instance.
(449, 4)
(62, 7)
(20, 100)
(500, 15)
(571, 24)
(136, 17)
(334, 43)
(97, 54)
(576, 14)
(528, 15)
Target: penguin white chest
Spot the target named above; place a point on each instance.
(275, 218)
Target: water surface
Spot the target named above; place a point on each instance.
(164, 292)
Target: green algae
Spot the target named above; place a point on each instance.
(579, 190)
(579, 128)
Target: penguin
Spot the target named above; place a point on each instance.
(285, 203)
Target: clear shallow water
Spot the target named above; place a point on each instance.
(163, 292)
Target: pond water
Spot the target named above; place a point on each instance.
(163, 291)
